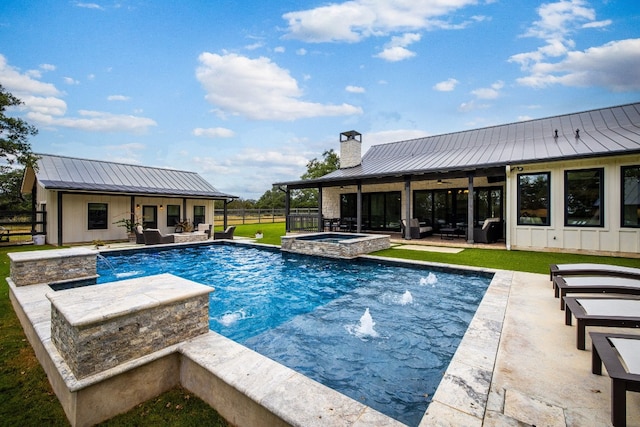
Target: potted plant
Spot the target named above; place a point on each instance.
(129, 226)
(259, 234)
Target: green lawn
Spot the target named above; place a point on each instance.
(27, 398)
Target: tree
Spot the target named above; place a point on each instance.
(308, 198)
(14, 134)
(317, 168)
(14, 148)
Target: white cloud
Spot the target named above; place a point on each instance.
(89, 6)
(258, 89)
(352, 21)
(71, 81)
(214, 132)
(95, 121)
(279, 49)
(396, 49)
(21, 84)
(118, 98)
(614, 66)
(383, 137)
(446, 86)
(354, 89)
(489, 92)
(301, 52)
(48, 67)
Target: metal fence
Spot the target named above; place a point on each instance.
(259, 216)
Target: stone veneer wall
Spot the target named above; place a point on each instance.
(96, 328)
(349, 248)
(28, 268)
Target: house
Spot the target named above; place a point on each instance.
(566, 183)
(84, 199)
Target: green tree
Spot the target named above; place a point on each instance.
(14, 149)
(318, 168)
(271, 199)
(308, 198)
(14, 135)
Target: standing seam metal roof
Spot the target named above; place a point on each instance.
(603, 132)
(73, 174)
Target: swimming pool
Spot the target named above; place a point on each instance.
(379, 333)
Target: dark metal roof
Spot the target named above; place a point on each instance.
(72, 174)
(603, 132)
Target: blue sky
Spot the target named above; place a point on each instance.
(247, 92)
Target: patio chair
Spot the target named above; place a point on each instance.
(139, 234)
(416, 230)
(226, 234)
(206, 229)
(620, 354)
(594, 285)
(490, 231)
(153, 236)
(592, 269)
(596, 311)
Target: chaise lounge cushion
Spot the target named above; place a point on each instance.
(417, 230)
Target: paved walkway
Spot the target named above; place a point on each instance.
(540, 378)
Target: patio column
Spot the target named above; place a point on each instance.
(359, 208)
(407, 207)
(287, 209)
(60, 218)
(470, 210)
(320, 221)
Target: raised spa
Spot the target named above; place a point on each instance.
(335, 245)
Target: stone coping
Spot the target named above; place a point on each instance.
(51, 254)
(86, 305)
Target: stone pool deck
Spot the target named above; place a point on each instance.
(517, 365)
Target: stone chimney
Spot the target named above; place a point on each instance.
(350, 149)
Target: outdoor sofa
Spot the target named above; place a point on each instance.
(226, 234)
(206, 229)
(139, 234)
(620, 354)
(601, 311)
(594, 285)
(153, 236)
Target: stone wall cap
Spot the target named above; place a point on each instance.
(50, 254)
(98, 303)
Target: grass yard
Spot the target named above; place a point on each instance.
(27, 397)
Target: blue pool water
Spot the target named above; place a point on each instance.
(379, 333)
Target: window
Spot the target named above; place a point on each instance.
(534, 194)
(198, 215)
(97, 216)
(173, 215)
(584, 198)
(630, 196)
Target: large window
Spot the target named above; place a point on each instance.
(630, 196)
(173, 215)
(584, 198)
(534, 194)
(97, 216)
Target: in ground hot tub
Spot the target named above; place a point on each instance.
(335, 245)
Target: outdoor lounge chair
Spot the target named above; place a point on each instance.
(416, 230)
(620, 354)
(594, 285)
(226, 234)
(597, 311)
(206, 229)
(591, 269)
(139, 234)
(490, 231)
(153, 236)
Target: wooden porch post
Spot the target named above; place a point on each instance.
(359, 208)
(407, 207)
(320, 221)
(470, 210)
